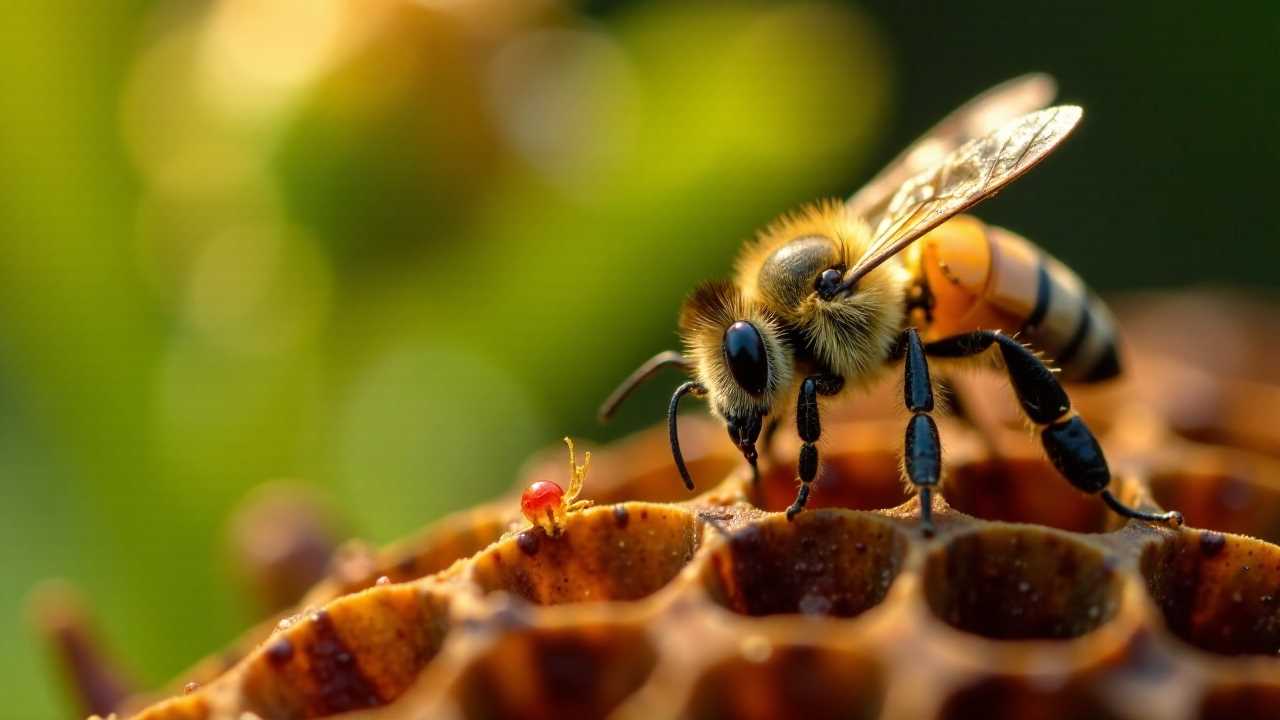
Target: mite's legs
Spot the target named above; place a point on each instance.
(923, 451)
(577, 476)
(810, 428)
(1067, 441)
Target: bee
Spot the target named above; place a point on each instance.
(830, 298)
(546, 505)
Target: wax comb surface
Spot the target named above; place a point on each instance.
(1031, 601)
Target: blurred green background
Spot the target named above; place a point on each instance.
(391, 248)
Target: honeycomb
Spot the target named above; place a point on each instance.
(1030, 601)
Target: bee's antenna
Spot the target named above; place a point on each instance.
(698, 389)
(635, 379)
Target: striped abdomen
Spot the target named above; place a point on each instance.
(985, 277)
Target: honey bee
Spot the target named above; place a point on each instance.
(833, 296)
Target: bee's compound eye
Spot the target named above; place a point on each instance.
(745, 353)
(828, 282)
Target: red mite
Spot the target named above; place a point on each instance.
(546, 505)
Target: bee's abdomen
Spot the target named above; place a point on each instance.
(985, 277)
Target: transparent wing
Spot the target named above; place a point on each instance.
(976, 118)
(973, 172)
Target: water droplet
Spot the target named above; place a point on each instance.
(814, 604)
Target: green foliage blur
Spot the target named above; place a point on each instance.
(391, 248)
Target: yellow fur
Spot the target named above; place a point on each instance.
(711, 309)
(854, 334)
(851, 336)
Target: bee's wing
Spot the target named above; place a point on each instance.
(973, 172)
(976, 118)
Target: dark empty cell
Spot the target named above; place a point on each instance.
(1241, 700)
(856, 481)
(828, 562)
(1026, 491)
(596, 559)
(1223, 502)
(1013, 583)
(580, 673)
(1017, 699)
(1218, 592)
(793, 682)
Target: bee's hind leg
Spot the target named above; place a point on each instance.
(1067, 441)
(922, 452)
(810, 428)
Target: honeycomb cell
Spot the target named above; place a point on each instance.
(584, 672)
(1021, 583)
(793, 681)
(1223, 502)
(1025, 491)
(862, 480)
(1232, 701)
(825, 562)
(621, 552)
(1218, 592)
(434, 550)
(1010, 698)
(360, 651)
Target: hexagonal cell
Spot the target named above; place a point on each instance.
(792, 681)
(582, 672)
(1026, 490)
(1009, 698)
(1235, 700)
(1218, 592)
(825, 562)
(439, 547)
(359, 651)
(620, 552)
(1015, 584)
(1223, 502)
(859, 480)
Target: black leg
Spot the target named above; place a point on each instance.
(1067, 441)
(673, 430)
(810, 429)
(923, 450)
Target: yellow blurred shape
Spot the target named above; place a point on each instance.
(257, 52)
(258, 288)
(566, 101)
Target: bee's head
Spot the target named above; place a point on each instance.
(739, 357)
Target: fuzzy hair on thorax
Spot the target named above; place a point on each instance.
(852, 335)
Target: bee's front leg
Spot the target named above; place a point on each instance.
(810, 428)
(922, 448)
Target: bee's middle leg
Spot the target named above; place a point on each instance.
(922, 452)
(810, 429)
